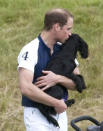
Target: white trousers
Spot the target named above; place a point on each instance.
(35, 121)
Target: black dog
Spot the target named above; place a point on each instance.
(63, 64)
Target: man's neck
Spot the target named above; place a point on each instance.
(48, 39)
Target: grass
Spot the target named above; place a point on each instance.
(20, 22)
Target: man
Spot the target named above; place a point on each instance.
(32, 60)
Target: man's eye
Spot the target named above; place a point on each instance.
(69, 29)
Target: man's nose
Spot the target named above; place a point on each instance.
(70, 33)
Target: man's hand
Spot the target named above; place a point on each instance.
(50, 79)
(60, 107)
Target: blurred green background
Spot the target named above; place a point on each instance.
(20, 22)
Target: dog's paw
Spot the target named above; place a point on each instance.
(69, 102)
(80, 83)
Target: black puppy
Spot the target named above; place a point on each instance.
(63, 63)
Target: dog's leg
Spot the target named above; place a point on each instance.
(69, 102)
(79, 81)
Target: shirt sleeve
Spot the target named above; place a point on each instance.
(27, 58)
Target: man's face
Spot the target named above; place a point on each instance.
(65, 31)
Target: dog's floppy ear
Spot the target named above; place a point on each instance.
(83, 48)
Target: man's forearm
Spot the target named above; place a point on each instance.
(35, 94)
(52, 79)
(66, 82)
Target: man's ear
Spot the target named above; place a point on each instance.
(57, 27)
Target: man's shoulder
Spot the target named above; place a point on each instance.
(28, 55)
(32, 44)
(31, 48)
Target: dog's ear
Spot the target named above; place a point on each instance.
(83, 48)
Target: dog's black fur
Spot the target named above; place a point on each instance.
(63, 64)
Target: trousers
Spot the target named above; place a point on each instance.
(35, 121)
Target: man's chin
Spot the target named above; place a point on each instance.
(65, 40)
(62, 41)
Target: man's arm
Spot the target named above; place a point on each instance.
(51, 79)
(68, 83)
(34, 93)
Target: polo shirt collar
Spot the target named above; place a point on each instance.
(42, 42)
(55, 48)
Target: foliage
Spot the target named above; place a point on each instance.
(20, 22)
